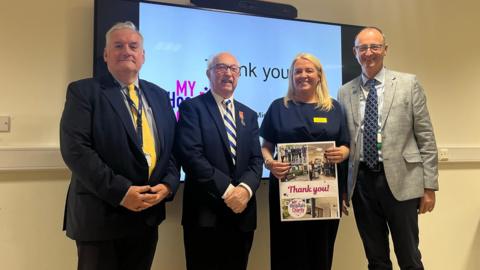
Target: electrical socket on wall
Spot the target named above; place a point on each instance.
(4, 123)
(443, 154)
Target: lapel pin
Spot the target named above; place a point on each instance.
(240, 113)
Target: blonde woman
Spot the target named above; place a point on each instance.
(294, 118)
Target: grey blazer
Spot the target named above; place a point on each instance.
(408, 143)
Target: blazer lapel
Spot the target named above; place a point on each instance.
(114, 95)
(240, 128)
(355, 101)
(212, 108)
(157, 114)
(388, 94)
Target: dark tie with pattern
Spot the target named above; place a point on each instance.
(370, 126)
(229, 122)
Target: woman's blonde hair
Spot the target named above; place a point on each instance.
(321, 92)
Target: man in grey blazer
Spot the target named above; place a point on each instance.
(393, 165)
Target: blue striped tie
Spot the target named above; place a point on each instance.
(370, 126)
(229, 122)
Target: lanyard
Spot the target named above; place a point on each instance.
(138, 111)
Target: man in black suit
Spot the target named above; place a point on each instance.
(116, 136)
(218, 144)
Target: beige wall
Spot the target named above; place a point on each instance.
(46, 44)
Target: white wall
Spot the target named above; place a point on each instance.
(46, 44)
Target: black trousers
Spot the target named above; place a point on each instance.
(130, 253)
(299, 245)
(303, 245)
(221, 248)
(377, 213)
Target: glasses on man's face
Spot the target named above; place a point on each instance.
(223, 68)
(376, 48)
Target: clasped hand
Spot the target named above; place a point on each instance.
(237, 199)
(139, 198)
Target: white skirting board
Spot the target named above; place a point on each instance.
(37, 158)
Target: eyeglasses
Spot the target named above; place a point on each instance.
(373, 47)
(223, 68)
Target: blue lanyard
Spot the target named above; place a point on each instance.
(138, 112)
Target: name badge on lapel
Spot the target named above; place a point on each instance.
(321, 120)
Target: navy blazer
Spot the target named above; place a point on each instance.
(99, 144)
(204, 154)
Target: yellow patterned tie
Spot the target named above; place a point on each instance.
(147, 135)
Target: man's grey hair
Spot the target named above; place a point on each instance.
(211, 61)
(122, 25)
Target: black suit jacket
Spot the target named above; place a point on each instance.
(204, 153)
(99, 144)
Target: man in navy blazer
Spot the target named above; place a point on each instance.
(219, 209)
(117, 194)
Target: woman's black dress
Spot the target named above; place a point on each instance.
(302, 245)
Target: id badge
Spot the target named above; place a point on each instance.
(379, 140)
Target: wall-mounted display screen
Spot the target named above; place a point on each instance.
(178, 40)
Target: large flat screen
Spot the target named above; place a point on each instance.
(178, 40)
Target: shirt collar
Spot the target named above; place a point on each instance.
(219, 99)
(124, 85)
(380, 77)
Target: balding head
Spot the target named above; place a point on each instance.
(370, 49)
(223, 72)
